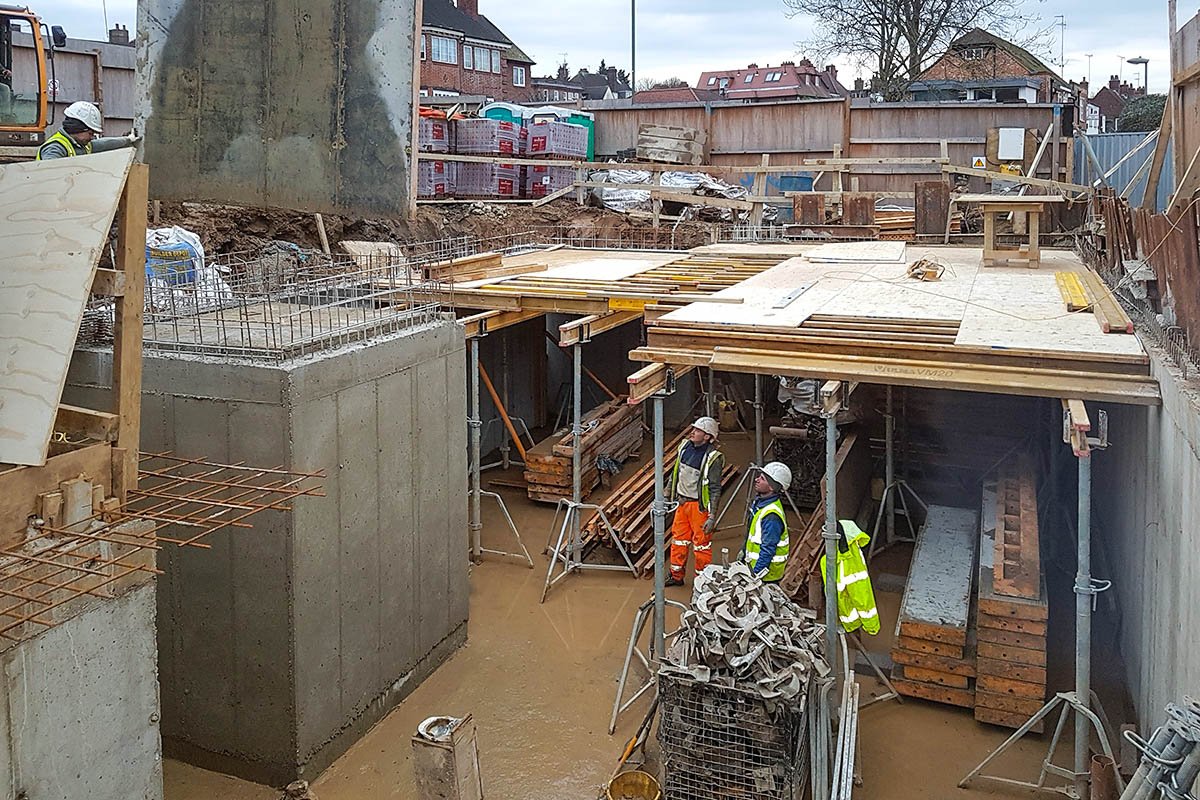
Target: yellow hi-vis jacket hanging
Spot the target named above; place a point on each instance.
(855, 597)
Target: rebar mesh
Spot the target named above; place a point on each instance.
(285, 302)
(720, 742)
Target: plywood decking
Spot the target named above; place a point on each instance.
(56, 216)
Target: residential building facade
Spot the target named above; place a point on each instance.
(608, 83)
(788, 81)
(982, 66)
(1111, 100)
(556, 88)
(463, 53)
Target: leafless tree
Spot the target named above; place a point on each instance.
(899, 39)
(646, 84)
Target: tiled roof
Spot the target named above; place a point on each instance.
(444, 14)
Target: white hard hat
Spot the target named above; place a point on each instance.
(87, 113)
(779, 473)
(708, 425)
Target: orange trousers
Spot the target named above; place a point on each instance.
(688, 528)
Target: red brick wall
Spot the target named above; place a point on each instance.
(996, 63)
(452, 77)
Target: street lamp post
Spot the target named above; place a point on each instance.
(633, 44)
(1145, 64)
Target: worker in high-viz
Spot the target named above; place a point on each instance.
(696, 486)
(766, 550)
(80, 135)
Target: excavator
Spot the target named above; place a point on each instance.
(27, 84)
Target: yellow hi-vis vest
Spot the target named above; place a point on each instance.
(65, 141)
(855, 597)
(709, 459)
(754, 541)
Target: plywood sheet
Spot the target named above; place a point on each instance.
(54, 221)
(1021, 308)
(883, 252)
(585, 269)
(885, 290)
(761, 293)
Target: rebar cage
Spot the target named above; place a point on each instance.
(721, 742)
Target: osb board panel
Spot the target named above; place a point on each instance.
(885, 290)
(761, 293)
(575, 267)
(1021, 308)
(54, 221)
(882, 252)
(566, 256)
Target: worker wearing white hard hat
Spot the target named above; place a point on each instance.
(696, 486)
(80, 135)
(767, 545)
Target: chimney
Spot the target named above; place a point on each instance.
(118, 34)
(564, 74)
(469, 7)
(1114, 83)
(832, 70)
(752, 66)
(859, 85)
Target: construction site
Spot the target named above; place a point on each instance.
(425, 447)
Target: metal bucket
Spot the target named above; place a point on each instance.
(634, 785)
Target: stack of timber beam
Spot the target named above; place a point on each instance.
(474, 267)
(1012, 607)
(670, 145)
(901, 224)
(935, 647)
(628, 510)
(613, 429)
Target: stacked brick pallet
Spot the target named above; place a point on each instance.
(489, 137)
(613, 430)
(934, 654)
(557, 140)
(543, 180)
(435, 179)
(1012, 607)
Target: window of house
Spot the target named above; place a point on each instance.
(773, 77)
(724, 82)
(712, 81)
(444, 50)
(423, 37)
(518, 76)
(496, 61)
(468, 61)
(483, 59)
(749, 77)
(972, 54)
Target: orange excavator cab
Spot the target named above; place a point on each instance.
(26, 75)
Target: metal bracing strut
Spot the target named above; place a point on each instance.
(476, 490)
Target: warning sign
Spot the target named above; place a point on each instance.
(978, 162)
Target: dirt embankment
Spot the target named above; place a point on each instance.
(235, 229)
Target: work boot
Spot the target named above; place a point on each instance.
(673, 581)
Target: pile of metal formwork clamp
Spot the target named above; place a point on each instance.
(735, 691)
(1170, 761)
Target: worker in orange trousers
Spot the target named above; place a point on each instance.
(696, 486)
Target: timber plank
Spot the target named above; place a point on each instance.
(1025, 627)
(1013, 638)
(1008, 669)
(935, 677)
(1010, 687)
(1025, 706)
(1017, 655)
(924, 646)
(938, 694)
(928, 661)
(1006, 719)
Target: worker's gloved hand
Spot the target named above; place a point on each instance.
(710, 524)
(134, 137)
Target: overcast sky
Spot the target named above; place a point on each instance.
(682, 38)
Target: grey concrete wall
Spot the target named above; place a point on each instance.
(281, 645)
(1147, 502)
(79, 707)
(305, 105)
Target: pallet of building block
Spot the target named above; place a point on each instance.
(544, 180)
(488, 137)
(488, 181)
(436, 179)
(554, 139)
(433, 134)
(670, 145)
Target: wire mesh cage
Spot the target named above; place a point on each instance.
(725, 742)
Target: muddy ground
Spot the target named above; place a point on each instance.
(232, 229)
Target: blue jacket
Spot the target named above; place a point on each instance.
(772, 532)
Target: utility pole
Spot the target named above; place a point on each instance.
(633, 45)
(1062, 37)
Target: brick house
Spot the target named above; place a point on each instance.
(1111, 101)
(556, 88)
(788, 81)
(463, 53)
(981, 66)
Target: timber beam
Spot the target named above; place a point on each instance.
(584, 328)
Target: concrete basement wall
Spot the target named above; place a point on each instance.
(1146, 507)
(282, 645)
(304, 105)
(79, 706)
